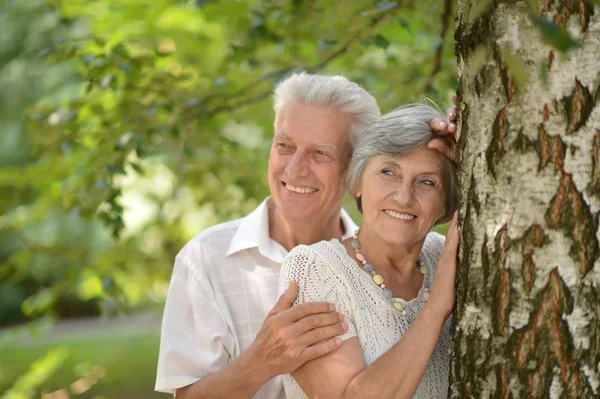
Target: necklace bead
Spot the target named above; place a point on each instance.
(378, 279)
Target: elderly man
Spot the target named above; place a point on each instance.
(224, 333)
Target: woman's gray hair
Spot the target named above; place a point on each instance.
(398, 133)
(333, 92)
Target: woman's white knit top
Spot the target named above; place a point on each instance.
(325, 272)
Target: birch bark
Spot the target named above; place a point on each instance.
(528, 297)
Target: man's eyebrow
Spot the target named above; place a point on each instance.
(286, 137)
(283, 136)
(328, 145)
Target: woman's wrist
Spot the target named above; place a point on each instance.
(434, 313)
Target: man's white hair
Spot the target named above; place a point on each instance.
(333, 92)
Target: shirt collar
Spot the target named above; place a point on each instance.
(253, 232)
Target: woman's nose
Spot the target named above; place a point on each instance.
(403, 194)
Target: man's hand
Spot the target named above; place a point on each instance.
(445, 140)
(284, 342)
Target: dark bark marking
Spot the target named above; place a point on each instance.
(533, 239)
(578, 107)
(496, 150)
(546, 113)
(522, 143)
(544, 146)
(546, 4)
(595, 184)
(570, 213)
(501, 245)
(550, 59)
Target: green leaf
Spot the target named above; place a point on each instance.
(403, 22)
(554, 34)
(533, 5)
(381, 41)
(387, 5)
(326, 44)
(479, 9)
(517, 68)
(476, 61)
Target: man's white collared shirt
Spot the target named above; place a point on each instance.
(224, 283)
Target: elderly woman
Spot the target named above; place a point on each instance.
(394, 280)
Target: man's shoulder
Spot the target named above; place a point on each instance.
(214, 240)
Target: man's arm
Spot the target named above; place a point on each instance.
(398, 372)
(283, 344)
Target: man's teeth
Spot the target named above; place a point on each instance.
(300, 190)
(397, 215)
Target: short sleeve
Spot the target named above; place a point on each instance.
(193, 330)
(433, 249)
(316, 283)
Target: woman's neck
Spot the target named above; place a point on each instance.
(291, 233)
(397, 259)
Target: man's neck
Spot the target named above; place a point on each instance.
(293, 233)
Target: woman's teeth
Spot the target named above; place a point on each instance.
(397, 215)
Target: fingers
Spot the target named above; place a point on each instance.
(286, 300)
(306, 309)
(323, 349)
(452, 238)
(451, 112)
(322, 333)
(447, 146)
(315, 321)
(440, 126)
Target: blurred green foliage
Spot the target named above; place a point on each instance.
(129, 126)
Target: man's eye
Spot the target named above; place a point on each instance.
(388, 172)
(321, 152)
(284, 145)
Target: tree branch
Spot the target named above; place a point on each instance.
(313, 69)
(437, 60)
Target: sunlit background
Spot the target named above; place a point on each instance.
(129, 126)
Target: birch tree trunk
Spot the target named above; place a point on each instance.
(528, 298)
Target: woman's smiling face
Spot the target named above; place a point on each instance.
(403, 197)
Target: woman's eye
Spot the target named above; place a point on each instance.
(429, 182)
(387, 172)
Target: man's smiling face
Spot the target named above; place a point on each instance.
(309, 155)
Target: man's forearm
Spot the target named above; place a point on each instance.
(241, 378)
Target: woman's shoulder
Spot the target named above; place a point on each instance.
(327, 254)
(434, 239)
(313, 267)
(433, 247)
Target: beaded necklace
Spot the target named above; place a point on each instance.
(378, 279)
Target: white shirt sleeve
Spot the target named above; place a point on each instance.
(193, 333)
(317, 283)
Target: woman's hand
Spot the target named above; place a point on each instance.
(443, 292)
(444, 130)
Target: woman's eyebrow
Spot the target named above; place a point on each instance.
(434, 172)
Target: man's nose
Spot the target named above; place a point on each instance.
(297, 166)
